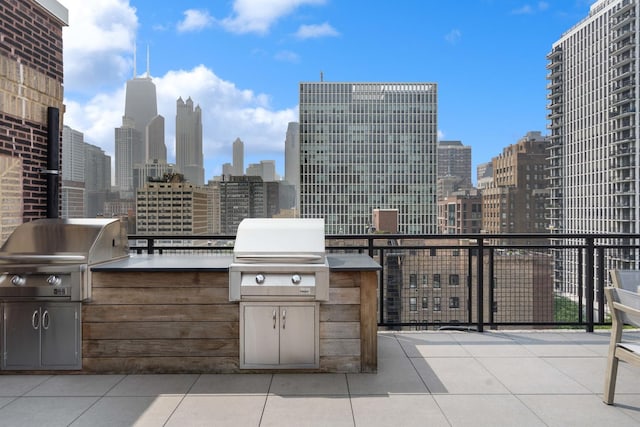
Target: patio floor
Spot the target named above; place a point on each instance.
(506, 378)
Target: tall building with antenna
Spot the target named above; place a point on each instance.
(140, 114)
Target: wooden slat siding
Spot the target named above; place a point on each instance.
(344, 364)
(340, 330)
(179, 295)
(180, 322)
(340, 347)
(160, 313)
(150, 348)
(160, 365)
(368, 321)
(344, 295)
(343, 279)
(160, 330)
(339, 313)
(140, 279)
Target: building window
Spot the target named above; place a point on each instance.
(436, 303)
(413, 304)
(454, 280)
(413, 281)
(454, 302)
(424, 280)
(436, 280)
(494, 306)
(425, 302)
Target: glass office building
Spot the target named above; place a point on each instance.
(366, 146)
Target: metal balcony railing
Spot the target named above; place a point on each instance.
(471, 281)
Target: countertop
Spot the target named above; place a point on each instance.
(193, 262)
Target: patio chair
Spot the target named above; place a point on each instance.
(625, 309)
(626, 279)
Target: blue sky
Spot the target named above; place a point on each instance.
(242, 60)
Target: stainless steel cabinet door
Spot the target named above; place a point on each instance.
(297, 335)
(21, 336)
(261, 332)
(60, 336)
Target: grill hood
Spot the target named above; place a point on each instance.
(54, 240)
(280, 240)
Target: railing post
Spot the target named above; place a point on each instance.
(381, 286)
(600, 284)
(150, 249)
(590, 287)
(480, 291)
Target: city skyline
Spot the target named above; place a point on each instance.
(243, 63)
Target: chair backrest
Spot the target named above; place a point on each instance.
(626, 279)
(628, 299)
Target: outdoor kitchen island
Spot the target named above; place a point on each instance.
(172, 314)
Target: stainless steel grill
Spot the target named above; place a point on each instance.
(279, 258)
(51, 259)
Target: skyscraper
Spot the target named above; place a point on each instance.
(189, 158)
(454, 160)
(238, 157)
(366, 146)
(292, 157)
(593, 123)
(141, 136)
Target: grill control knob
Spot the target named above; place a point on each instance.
(260, 279)
(296, 279)
(54, 280)
(18, 280)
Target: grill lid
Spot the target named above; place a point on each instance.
(280, 240)
(65, 241)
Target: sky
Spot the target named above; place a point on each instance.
(242, 62)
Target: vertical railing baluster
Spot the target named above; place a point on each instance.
(480, 291)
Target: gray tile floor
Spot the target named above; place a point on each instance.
(424, 379)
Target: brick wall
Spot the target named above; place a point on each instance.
(31, 77)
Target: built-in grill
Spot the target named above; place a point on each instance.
(279, 274)
(51, 259)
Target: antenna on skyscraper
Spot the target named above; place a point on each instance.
(134, 59)
(321, 76)
(147, 61)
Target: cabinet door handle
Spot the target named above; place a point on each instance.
(274, 318)
(45, 320)
(284, 318)
(35, 321)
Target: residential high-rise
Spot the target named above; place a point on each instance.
(292, 157)
(157, 149)
(593, 121)
(128, 143)
(165, 208)
(517, 200)
(240, 197)
(73, 195)
(31, 61)
(266, 170)
(189, 158)
(238, 157)
(454, 164)
(98, 182)
(366, 146)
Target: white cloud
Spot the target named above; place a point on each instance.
(453, 36)
(287, 56)
(195, 20)
(257, 16)
(228, 112)
(315, 31)
(97, 43)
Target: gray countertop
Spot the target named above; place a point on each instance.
(337, 262)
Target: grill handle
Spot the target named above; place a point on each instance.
(45, 320)
(284, 318)
(35, 320)
(274, 318)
